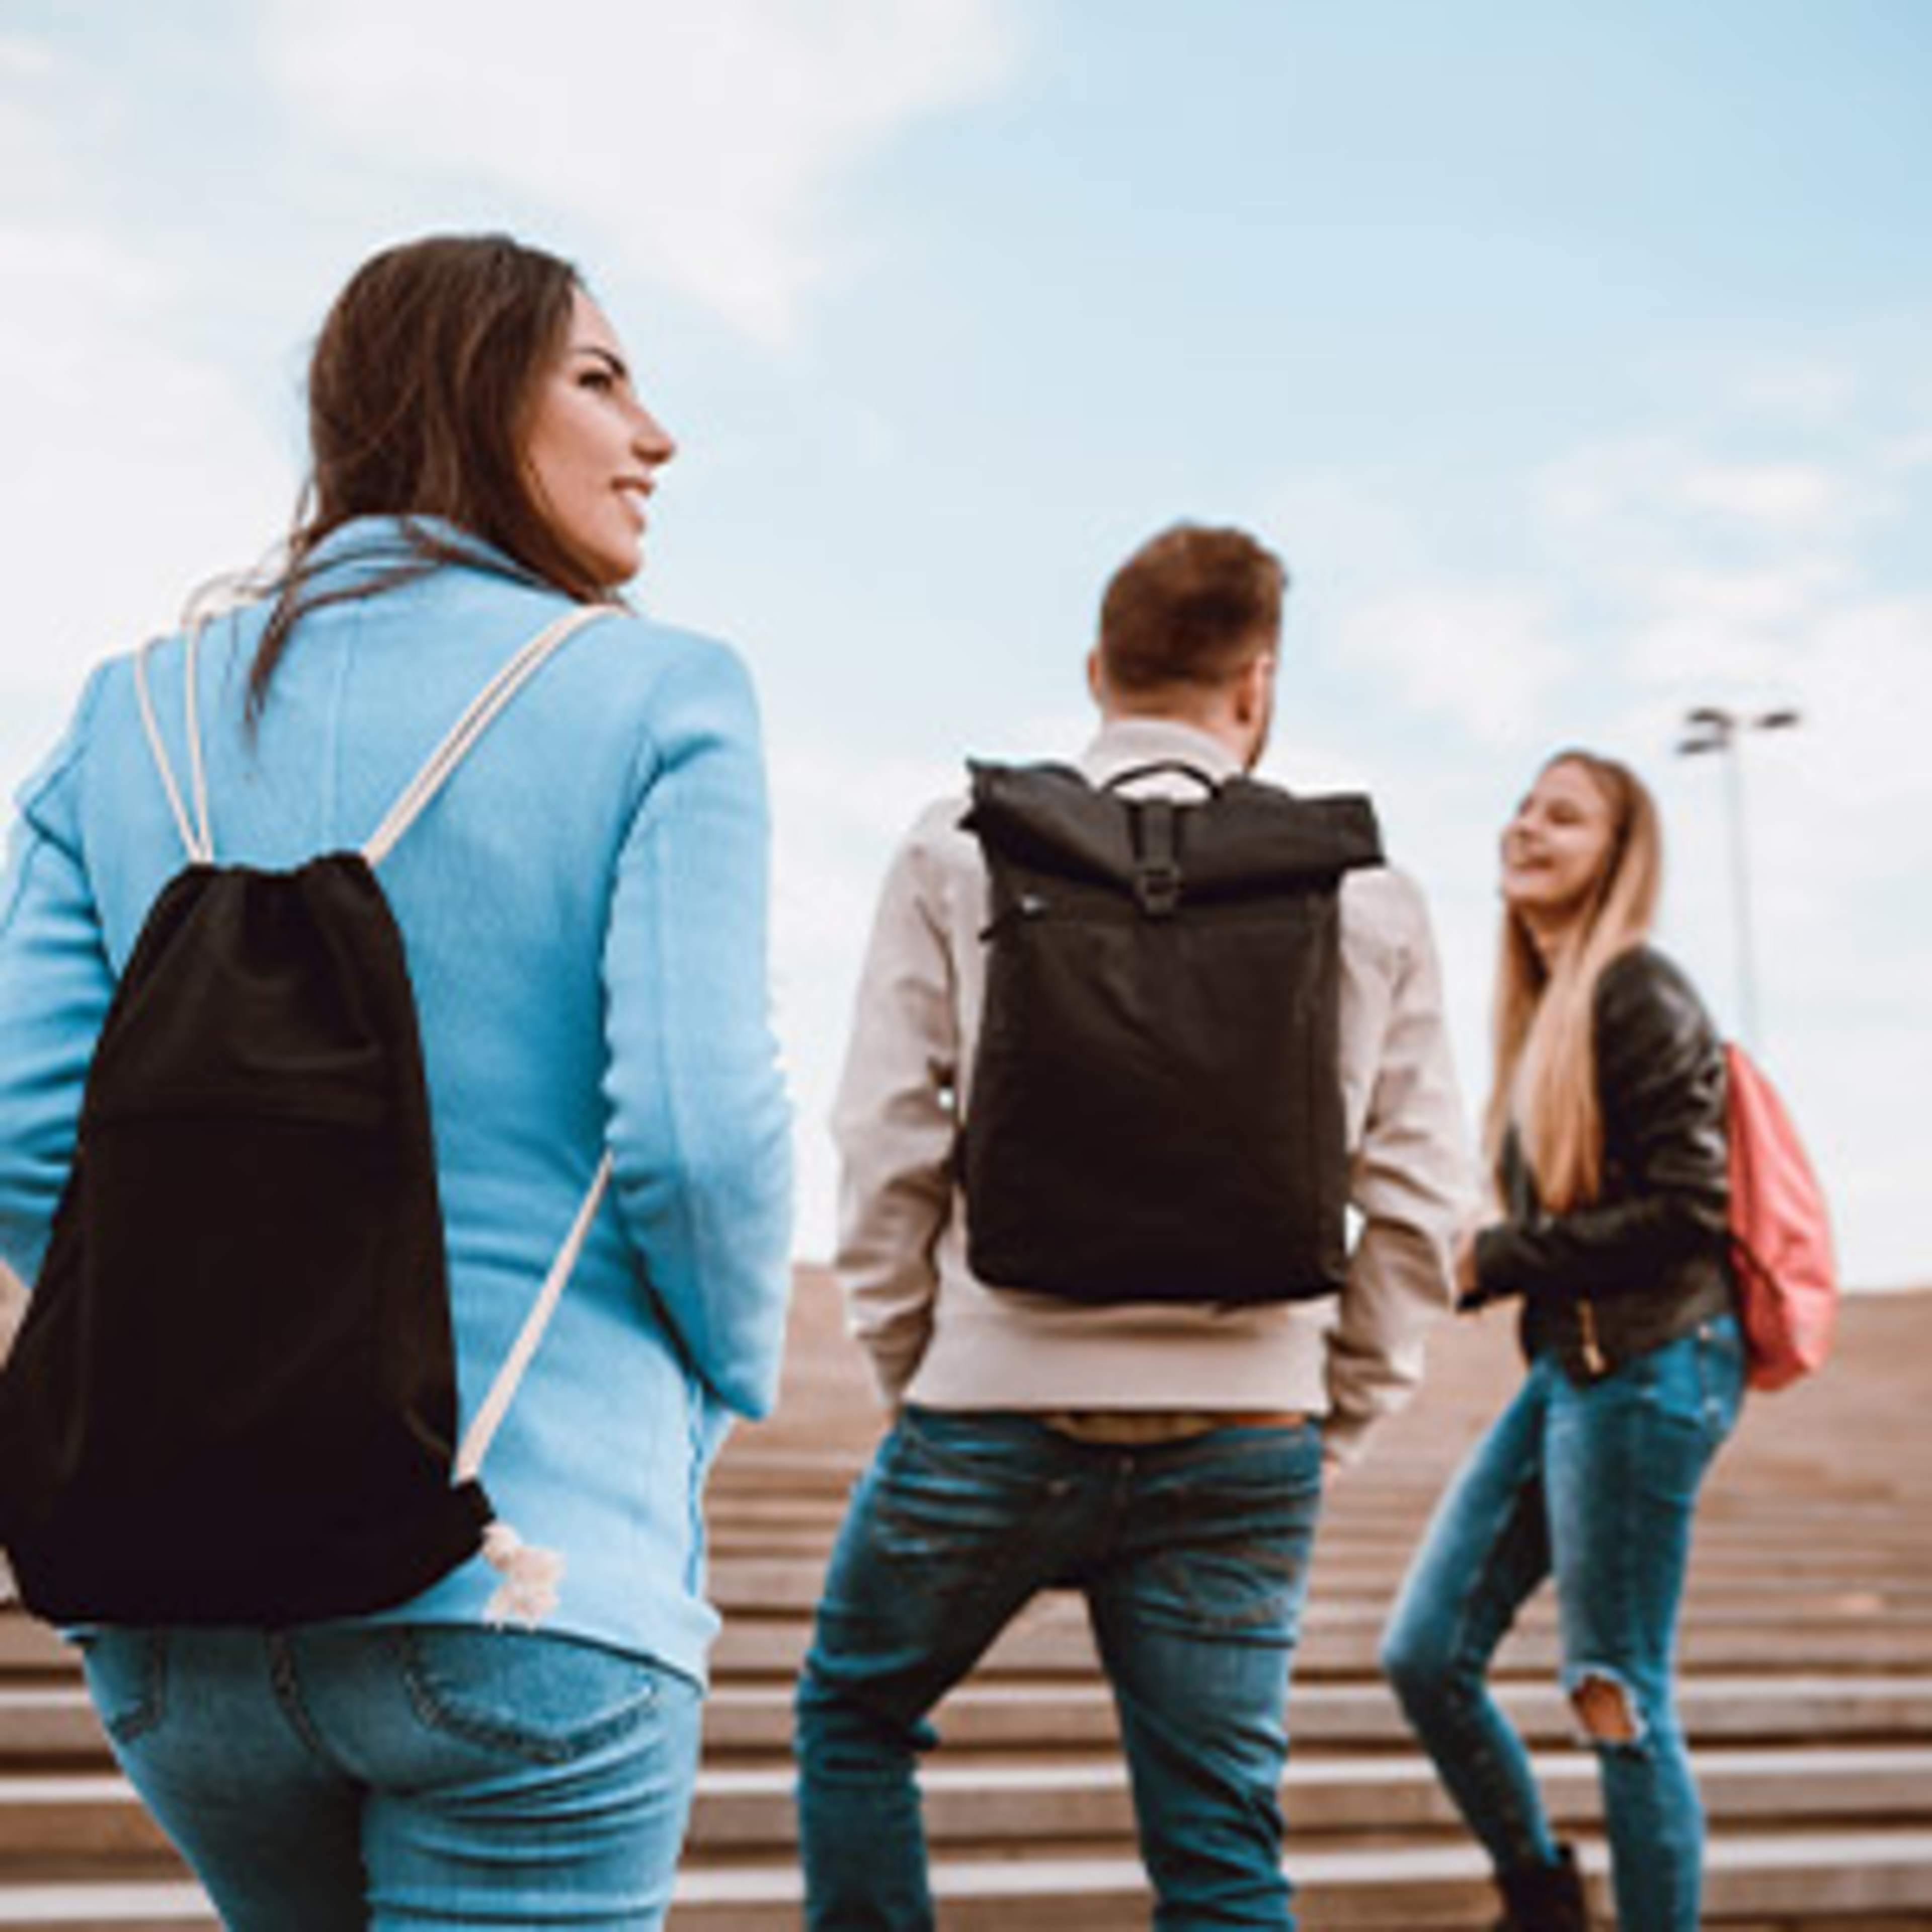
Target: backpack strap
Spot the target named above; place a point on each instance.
(484, 1425)
(462, 735)
(1157, 880)
(195, 833)
(436, 768)
(1134, 773)
(529, 1574)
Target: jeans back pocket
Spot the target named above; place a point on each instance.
(546, 1700)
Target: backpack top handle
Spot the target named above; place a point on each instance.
(1154, 766)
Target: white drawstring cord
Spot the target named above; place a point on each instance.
(200, 849)
(482, 714)
(528, 1590)
(197, 767)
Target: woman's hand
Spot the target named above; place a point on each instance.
(1469, 1295)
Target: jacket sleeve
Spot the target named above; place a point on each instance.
(56, 987)
(1412, 1186)
(1660, 1079)
(700, 1129)
(894, 1122)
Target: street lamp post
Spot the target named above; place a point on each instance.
(1712, 728)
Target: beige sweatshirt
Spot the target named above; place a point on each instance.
(938, 1337)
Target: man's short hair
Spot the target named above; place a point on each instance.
(1193, 605)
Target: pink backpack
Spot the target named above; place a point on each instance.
(1780, 1233)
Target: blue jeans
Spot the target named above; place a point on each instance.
(1597, 1485)
(1193, 1558)
(337, 1776)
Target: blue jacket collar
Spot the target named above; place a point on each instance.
(368, 545)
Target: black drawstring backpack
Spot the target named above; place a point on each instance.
(1155, 1110)
(233, 1399)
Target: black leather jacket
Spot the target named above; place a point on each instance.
(1648, 1260)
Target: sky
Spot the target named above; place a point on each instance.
(1577, 358)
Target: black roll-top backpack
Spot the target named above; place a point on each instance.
(1155, 1110)
(233, 1398)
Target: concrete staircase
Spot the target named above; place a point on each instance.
(1807, 1649)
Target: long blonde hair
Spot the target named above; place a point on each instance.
(1545, 1072)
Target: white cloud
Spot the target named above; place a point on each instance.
(1590, 488)
(1625, 489)
(837, 821)
(79, 266)
(1866, 677)
(146, 470)
(1779, 496)
(1692, 625)
(837, 815)
(1802, 392)
(1903, 454)
(21, 58)
(31, 166)
(702, 142)
(139, 468)
(1487, 656)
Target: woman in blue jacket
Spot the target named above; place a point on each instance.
(583, 912)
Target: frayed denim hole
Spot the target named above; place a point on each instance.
(1584, 1680)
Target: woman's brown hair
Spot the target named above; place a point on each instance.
(419, 391)
(1545, 1073)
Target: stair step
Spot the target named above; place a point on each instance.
(1051, 1638)
(1813, 1874)
(1349, 1592)
(55, 1722)
(1437, 1885)
(1012, 1804)
(1023, 1803)
(165, 1906)
(742, 1718)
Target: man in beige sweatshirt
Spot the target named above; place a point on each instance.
(1165, 1458)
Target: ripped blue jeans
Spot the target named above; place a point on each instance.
(1192, 1556)
(1596, 1485)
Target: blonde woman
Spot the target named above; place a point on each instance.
(1606, 1136)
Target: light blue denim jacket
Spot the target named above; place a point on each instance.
(583, 910)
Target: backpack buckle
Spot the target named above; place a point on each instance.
(1157, 887)
(1157, 857)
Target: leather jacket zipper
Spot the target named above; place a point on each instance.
(1593, 1353)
